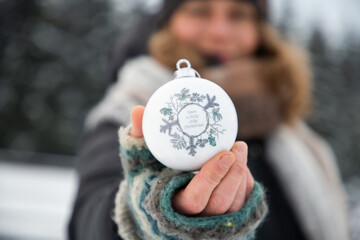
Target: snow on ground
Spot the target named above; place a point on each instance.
(35, 201)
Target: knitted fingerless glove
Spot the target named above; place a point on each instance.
(143, 207)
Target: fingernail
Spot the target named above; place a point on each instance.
(242, 148)
(226, 161)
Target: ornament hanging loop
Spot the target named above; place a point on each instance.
(181, 61)
(186, 71)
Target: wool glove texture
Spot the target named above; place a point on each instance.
(143, 204)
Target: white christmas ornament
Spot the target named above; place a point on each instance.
(189, 120)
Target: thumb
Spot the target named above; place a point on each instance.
(136, 117)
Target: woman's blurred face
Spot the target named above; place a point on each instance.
(225, 29)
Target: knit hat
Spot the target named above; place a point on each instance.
(169, 6)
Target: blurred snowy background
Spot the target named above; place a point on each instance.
(54, 67)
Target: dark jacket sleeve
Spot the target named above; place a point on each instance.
(100, 173)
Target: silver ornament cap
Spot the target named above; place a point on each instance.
(186, 71)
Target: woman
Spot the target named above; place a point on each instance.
(230, 43)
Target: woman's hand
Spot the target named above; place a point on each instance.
(222, 185)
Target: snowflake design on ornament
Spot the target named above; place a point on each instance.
(192, 120)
